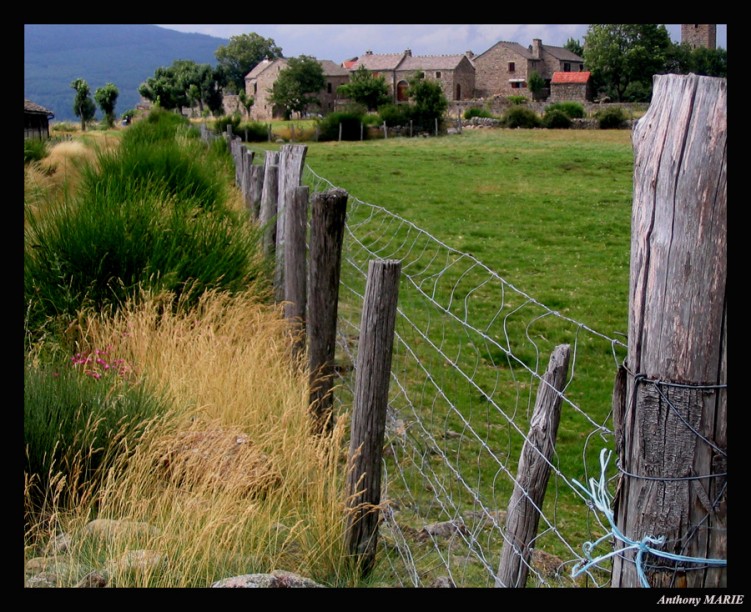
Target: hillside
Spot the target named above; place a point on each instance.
(126, 55)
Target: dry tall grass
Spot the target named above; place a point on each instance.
(231, 482)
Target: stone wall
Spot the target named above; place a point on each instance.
(492, 72)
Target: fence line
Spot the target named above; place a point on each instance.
(470, 349)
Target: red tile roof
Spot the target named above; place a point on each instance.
(570, 77)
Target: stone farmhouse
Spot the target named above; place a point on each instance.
(260, 80)
(566, 86)
(455, 73)
(505, 68)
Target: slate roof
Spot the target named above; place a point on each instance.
(431, 62)
(516, 47)
(570, 77)
(563, 54)
(329, 68)
(32, 107)
(332, 69)
(378, 61)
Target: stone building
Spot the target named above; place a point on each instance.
(699, 35)
(455, 73)
(36, 121)
(505, 68)
(571, 87)
(260, 80)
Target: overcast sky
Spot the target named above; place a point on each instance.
(340, 42)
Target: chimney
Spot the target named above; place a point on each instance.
(408, 52)
(368, 52)
(469, 54)
(535, 48)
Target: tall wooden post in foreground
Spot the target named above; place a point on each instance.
(671, 428)
(369, 412)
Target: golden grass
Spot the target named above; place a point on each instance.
(232, 480)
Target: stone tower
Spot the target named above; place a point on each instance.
(699, 35)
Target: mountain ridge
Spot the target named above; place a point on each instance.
(123, 54)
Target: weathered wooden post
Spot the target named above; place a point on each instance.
(295, 297)
(328, 213)
(291, 163)
(523, 515)
(671, 428)
(372, 376)
(246, 178)
(269, 202)
(256, 190)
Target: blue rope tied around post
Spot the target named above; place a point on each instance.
(602, 501)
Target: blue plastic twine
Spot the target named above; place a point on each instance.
(602, 500)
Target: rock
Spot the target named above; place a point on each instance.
(111, 528)
(442, 530)
(59, 545)
(137, 561)
(93, 580)
(45, 580)
(277, 579)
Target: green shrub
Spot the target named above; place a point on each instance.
(146, 216)
(34, 149)
(253, 131)
(517, 100)
(351, 125)
(573, 110)
(77, 412)
(476, 112)
(221, 123)
(611, 118)
(556, 119)
(394, 114)
(521, 117)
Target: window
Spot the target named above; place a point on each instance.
(512, 66)
(566, 67)
(438, 75)
(328, 88)
(518, 84)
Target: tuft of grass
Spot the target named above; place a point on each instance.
(232, 482)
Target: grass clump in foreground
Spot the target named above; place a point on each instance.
(229, 481)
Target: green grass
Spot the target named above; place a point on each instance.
(549, 211)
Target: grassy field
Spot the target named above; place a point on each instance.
(549, 211)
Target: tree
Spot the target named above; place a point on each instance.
(366, 88)
(536, 84)
(297, 84)
(185, 83)
(164, 90)
(683, 59)
(428, 101)
(83, 105)
(106, 99)
(574, 46)
(242, 54)
(626, 55)
(246, 101)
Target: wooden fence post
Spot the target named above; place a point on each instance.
(246, 178)
(523, 515)
(256, 190)
(295, 298)
(671, 429)
(372, 376)
(328, 213)
(269, 202)
(291, 163)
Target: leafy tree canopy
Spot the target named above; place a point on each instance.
(242, 54)
(185, 83)
(574, 46)
(428, 101)
(366, 88)
(297, 85)
(83, 106)
(624, 55)
(106, 99)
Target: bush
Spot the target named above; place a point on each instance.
(253, 131)
(350, 121)
(221, 123)
(611, 118)
(557, 120)
(34, 149)
(573, 110)
(76, 413)
(394, 114)
(521, 117)
(146, 216)
(517, 100)
(476, 112)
